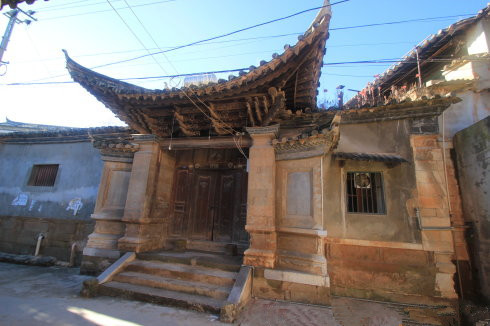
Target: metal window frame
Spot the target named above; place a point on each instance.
(383, 195)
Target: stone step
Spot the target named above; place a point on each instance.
(183, 272)
(227, 263)
(161, 296)
(172, 284)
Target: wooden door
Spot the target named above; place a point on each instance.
(180, 207)
(210, 205)
(203, 205)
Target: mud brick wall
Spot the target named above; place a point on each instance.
(18, 235)
(379, 273)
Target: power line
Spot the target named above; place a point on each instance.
(206, 41)
(105, 10)
(380, 61)
(254, 26)
(134, 34)
(225, 35)
(77, 6)
(398, 22)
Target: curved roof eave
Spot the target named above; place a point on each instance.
(90, 79)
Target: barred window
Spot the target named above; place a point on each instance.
(365, 193)
(43, 175)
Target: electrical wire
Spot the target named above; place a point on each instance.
(225, 35)
(104, 10)
(368, 62)
(181, 90)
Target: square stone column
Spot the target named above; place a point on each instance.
(145, 229)
(261, 210)
(102, 249)
(433, 183)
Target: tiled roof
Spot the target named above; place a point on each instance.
(292, 76)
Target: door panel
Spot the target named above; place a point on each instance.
(225, 204)
(210, 205)
(201, 221)
(180, 207)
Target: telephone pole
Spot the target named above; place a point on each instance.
(12, 15)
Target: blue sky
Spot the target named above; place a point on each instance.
(94, 35)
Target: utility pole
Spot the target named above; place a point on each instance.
(12, 15)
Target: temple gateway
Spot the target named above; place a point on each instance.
(244, 187)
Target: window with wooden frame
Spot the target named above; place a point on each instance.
(43, 175)
(365, 193)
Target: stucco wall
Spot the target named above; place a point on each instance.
(472, 146)
(76, 183)
(398, 224)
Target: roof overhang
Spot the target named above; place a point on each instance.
(258, 97)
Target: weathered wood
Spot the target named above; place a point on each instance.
(257, 110)
(279, 99)
(186, 129)
(250, 114)
(205, 142)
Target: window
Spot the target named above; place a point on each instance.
(365, 193)
(43, 175)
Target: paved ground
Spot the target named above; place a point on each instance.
(49, 296)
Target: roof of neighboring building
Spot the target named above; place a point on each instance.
(254, 98)
(429, 47)
(63, 135)
(10, 126)
(433, 54)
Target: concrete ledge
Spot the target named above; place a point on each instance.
(239, 296)
(296, 277)
(103, 253)
(115, 268)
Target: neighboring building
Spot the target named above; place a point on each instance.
(454, 61)
(48, 185)
(12, 126)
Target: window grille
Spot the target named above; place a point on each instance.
(365, 193)
(43, 175)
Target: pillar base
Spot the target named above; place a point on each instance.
(257, 257)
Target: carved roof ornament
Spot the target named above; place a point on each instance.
(308, 145)
(120, 145)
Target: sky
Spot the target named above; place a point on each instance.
(95, 34)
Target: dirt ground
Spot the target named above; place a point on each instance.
(32, 295)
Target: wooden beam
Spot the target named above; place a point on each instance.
(186, 129)
(278, 100)
(219, 126)
(257, 110)
(250, 114)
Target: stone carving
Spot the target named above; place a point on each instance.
(318, 142)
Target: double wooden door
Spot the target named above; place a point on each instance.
(210, 205)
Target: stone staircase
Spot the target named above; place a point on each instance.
(191, 280)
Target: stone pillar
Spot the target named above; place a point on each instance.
(101, 249)
(144, 224)
(261, 212)
(433, 208)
